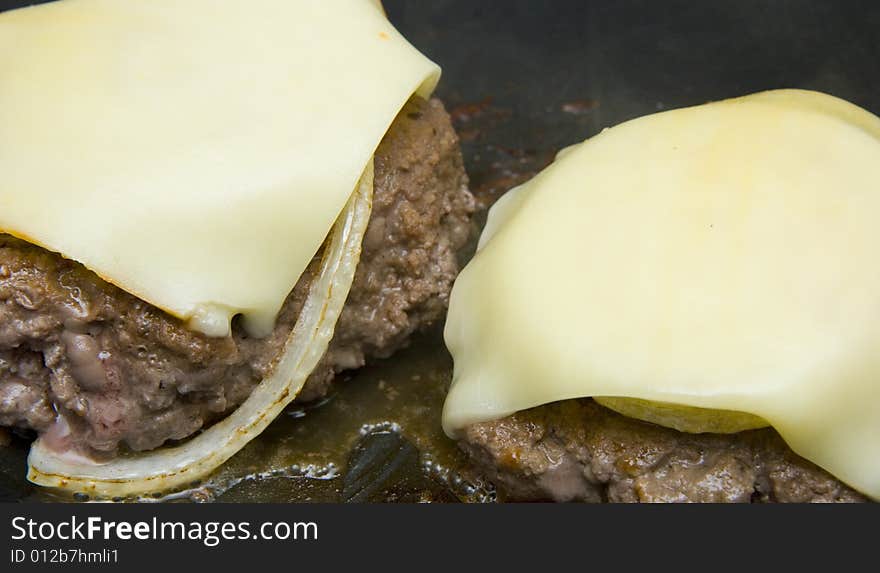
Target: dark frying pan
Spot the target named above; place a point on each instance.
(522, 79)
(565, 69)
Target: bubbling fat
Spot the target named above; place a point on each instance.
(709, 269)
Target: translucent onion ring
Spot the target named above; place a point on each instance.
(688, 419)
(174, 467)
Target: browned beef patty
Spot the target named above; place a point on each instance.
(120, 372)
(577, 450)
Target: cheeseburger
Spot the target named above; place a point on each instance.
(206, 211)
(685, 307)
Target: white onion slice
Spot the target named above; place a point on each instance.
(173, 467)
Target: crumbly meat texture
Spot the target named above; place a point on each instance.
(577, 450)
(120, 373)
(421, 219)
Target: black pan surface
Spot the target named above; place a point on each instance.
(559, 71)
(522, 79)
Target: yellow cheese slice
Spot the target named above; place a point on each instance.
(193, 152)
(721, 256)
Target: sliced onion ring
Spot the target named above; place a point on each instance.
(683, 418)
(173, 467)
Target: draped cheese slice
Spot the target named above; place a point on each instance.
(195, 153)
(721, 256)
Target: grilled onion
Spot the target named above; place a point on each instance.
(173, 467)
(684, 418)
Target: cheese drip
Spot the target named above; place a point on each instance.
(721, 256)
(195, 153)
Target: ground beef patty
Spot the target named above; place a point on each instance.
(577, 450)
(123, 374)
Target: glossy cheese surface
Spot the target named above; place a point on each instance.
(722, 256)
(195, 153)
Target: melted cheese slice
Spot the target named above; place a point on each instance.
(193, 152)
(722, 256)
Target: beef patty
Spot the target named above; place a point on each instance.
(120, 373)
(577, 450)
